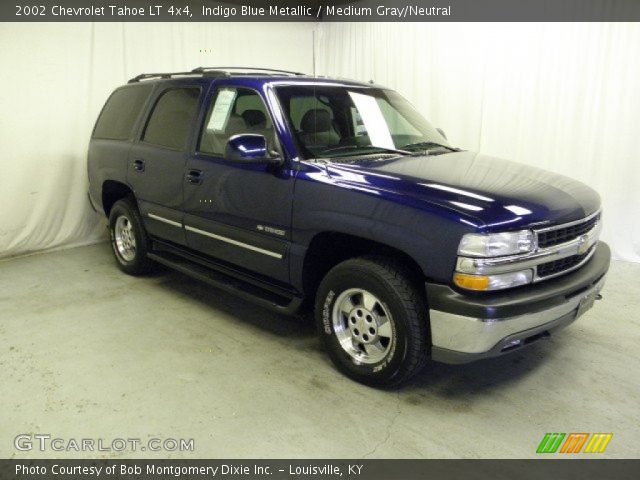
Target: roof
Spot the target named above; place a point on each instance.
(270, 75)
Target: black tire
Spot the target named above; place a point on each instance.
(136, 262)
(390, 283)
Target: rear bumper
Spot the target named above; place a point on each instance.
(465, 328)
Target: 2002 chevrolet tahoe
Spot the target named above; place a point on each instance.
(299, 192)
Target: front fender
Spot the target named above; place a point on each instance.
(429, 237)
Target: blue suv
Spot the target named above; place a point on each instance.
(321, 194)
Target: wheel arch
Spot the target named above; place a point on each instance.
(329, 248)
(112, 191)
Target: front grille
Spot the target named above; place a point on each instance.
(565, 234)
(557, 266)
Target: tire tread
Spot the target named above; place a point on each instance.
(400, 279)
(142, 264)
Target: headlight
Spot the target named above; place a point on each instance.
(492, 282)
(496, 244)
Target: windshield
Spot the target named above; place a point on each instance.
(337, 121)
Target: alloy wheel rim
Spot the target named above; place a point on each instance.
(363, 326)
(125, 238)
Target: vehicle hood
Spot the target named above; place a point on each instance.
(487, 192)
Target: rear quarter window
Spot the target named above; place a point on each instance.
(121, 111)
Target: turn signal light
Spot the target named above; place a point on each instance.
(493, 282)
(471, 282)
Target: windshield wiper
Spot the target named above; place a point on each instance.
(430, 144)
(366, 147)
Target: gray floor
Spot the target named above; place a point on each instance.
(88, 352)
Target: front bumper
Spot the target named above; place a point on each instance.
(465, 328)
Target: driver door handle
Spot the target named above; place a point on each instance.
(194, 177)
(138, 165)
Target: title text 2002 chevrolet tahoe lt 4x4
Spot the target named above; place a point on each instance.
(301, 192)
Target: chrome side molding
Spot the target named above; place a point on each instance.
(164, 220)
(231, 241)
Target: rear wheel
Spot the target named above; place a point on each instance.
(129, 239)
(373, 321)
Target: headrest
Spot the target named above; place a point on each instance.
(316, 121)
(235, 125)
(254, 118)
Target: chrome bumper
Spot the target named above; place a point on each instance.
(465, 329)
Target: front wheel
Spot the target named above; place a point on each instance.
(373, 321)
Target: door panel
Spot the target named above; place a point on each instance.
(156, 162)
(239, 213)
(158, 189)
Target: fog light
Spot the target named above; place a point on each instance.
(492, 282)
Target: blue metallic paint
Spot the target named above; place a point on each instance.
(418, 205)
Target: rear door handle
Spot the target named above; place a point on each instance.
(194, 177)
(138, 165)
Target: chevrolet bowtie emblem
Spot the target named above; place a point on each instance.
(583, 244)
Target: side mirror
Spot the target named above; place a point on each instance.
(441, 132)
(251, 149)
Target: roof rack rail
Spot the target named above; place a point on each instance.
(210, 71)
(147, 76)
(249, 69)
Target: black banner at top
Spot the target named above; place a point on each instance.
(320, 11)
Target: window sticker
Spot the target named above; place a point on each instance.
(374, 123)
(222, 110)
(358, 124)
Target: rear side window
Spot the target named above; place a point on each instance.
(120, 112)
(172, 118)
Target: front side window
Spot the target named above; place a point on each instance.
(332, 121)
(172, 118)
(233, 112)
